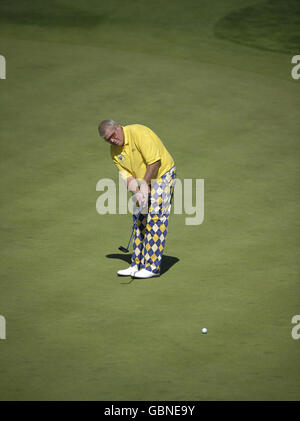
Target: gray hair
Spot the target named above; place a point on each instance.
(105, 125)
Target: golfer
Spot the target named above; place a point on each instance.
(149, 173)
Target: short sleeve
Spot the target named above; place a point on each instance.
(124, 173)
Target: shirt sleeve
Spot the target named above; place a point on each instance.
(146, 144)
(124, 173)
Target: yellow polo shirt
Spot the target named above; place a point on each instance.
(141, 148)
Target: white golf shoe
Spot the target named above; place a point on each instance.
(127, 272)
(143, 274)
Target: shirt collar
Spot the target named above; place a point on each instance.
(125, 135)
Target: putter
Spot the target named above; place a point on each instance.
(126, 250)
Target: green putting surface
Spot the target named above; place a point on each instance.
(222, 99)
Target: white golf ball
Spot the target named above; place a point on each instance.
(204, 330)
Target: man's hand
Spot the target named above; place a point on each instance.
(140, 198)
(145, 191)
(140, 193)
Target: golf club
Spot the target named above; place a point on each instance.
(126, 250)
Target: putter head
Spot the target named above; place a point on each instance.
(123, 249)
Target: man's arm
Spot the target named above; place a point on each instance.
(144, 189)
(132, 184)
(151, 171)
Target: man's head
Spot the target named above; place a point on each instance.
(112, 132)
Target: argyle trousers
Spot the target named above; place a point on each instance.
(150, 230)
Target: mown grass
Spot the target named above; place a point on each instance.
(272, 25)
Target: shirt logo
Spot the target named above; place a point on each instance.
(120, 157)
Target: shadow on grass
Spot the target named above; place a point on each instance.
(49, 14)
(271, 25)
(166, 264)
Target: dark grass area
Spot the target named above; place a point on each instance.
(273, 25)
(169, 14)
(48, 14)
(270, 25)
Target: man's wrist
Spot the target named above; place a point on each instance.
(147, 182)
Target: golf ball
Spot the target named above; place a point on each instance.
(204, 330)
